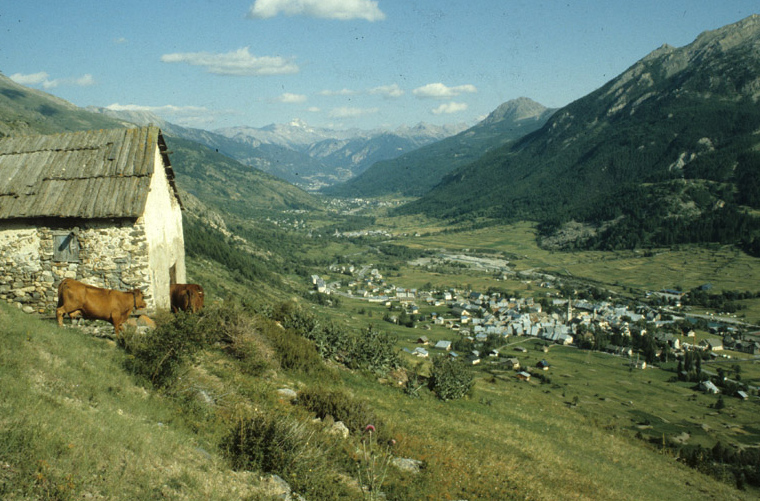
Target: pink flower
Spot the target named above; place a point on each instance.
(370, 428)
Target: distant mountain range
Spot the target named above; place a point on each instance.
(417, 172)
(309, 157)
(313, 157)
(668, 152)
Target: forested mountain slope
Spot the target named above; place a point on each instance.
(417, 172)
(664, 153)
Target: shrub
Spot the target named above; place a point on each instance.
(332, 341)
(339, 404)
(158, 355)
(253, 354)
(374, 351)
(292, 316)
(450, 379)
(281, 445)
(269, 443)
(292, 351)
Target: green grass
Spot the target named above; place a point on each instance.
(74, 425)
(612, 394)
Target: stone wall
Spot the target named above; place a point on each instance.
(111, 254)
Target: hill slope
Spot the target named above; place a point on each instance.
(666, 151)
(416, 172)
(29, 111)
(76, 424)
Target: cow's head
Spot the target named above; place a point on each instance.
(196, 299)
(139, 299)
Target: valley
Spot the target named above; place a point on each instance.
(472, 289)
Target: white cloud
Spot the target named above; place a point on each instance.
(313, 109)
(120, 40)
(341, 92)
(166, 109)
(291, 98)
(449, 108)
(441, 91)
(237, 63)
(342, 10)
(349, 112)
(30, 79)
(84, 80)
(387, 91)
(189, 116)
(43, 79)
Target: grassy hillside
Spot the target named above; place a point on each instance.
(75, 423)
(230, 186)
(28, 111)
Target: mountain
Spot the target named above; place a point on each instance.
(313, 157)
(667, 152)
(29, 111)
(417, 172)
(308, 157)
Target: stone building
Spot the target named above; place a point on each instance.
(98, 206)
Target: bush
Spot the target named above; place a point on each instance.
(269, 443)
(354, 413)
(292, 316)
(158, 355)
(281, 445)
(253, 354)
(374, 351)
(450, 379)
(332, 341)
(293, 351)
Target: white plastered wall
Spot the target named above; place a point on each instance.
(163, 228)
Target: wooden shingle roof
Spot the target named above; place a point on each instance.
(93, 174)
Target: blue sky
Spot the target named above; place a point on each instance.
(338, 63)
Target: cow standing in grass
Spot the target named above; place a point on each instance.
(76, 298)
(186, 297)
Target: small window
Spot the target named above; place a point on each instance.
(66, 248)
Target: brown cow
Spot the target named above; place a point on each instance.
(76, 298)
(186, 297)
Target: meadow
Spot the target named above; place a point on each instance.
(76, 424)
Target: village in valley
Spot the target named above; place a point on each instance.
(493, 329)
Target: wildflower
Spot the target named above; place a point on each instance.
(370, 428)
